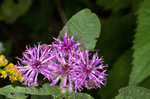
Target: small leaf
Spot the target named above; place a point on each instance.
(141, 60)
(86, 26)
(132, 92)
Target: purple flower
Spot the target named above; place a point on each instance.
(65, 62)
(90, 71)
(64, 70)
(74, 67)
(67, 44)
(36, 60)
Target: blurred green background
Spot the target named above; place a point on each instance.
(26, 22)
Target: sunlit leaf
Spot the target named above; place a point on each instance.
(85, 26)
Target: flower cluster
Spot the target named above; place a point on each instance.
(9, 70)
(63, 62)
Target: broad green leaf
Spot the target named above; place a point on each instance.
(11, 10)
(22, 92)
(85, 26)
(133, 93)
(141, 55)
(9, 92)
(118, 76)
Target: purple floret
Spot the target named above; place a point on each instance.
(90, 72)
(64, 70)
(66, 44)
(36, 60)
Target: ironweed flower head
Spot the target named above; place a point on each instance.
(65, 43)
(64, 70)
(35, 60)
(90, 71)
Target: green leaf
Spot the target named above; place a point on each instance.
(141, 60)
(118, 76)
(80, 96)
(11, 10)
(86, 26)
(41, 97)
(22, 92)
(133, 93)
(9, 92)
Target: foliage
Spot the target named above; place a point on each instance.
(133, 93)
(117, 29)
(17, 92)
(141, 46)
(85, 26)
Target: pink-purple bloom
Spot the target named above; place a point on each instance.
(90, 71)
(65, 43)
(65, 62)
(64, 70)
(35, 61)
